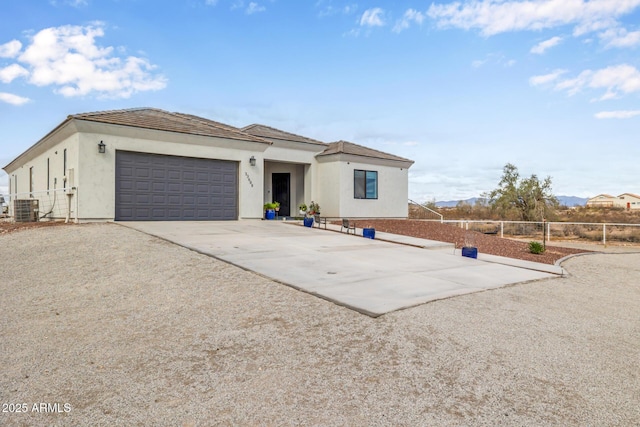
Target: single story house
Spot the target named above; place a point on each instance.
(625, 201)
(148, 164)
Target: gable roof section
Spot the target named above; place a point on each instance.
(345, 147)
(603, 196)
(630, 194)
(156, 119)
(273, 133)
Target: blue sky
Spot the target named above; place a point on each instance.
(462, 88)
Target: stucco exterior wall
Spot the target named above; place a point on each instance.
(325, 179)
(330, 188)
(97, 175)
(298, 159)
(296, 183)
(44, 188)
(337, 193)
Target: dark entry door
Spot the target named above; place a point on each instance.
(280, 183)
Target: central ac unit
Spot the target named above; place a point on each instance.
(25, 210)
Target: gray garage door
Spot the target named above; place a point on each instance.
(152, 187)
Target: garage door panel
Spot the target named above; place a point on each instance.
(158, 187)
(142, 172)
(159, 173)
(125, 198)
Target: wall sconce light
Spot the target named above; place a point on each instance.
(101, 147)
(252, 161)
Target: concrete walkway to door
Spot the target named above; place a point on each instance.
(373, 277)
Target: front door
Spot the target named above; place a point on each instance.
(281, 192)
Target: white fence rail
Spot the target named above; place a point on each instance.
(56, 204)
(600, 232)
(427, 212)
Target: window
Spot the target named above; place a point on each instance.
(64, 167)
(31, 182)
(365, 184)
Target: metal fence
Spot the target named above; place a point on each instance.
(577, 231)
(52, 204)
(420, 211)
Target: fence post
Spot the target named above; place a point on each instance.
(604, 235)
(549, 231)
(502, 229)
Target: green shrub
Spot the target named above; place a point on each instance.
(536, 248)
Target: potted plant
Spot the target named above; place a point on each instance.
(269, 211)
(276, 206)
(303, 209)
(311, 212)
(470, 249)
(314, 209)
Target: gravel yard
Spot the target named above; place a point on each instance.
(488, 244)
(112, 327)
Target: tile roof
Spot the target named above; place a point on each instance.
(603, 195)
(273, 133)
(359, 150)
(153, 118)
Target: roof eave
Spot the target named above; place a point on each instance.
(41, 141)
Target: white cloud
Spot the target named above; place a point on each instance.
(330, 10)
(10, 49)
(620, 37)
(10, 98)
(546, 78)
(617, 80)
(623, 114)
(211, 2)
(409, 16)
(254, 8)
(12, 72)
(494, 59)
(68, 58)
(498, 16)
(372, 18)
(542, 47)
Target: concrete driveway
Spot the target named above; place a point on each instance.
(373, 277)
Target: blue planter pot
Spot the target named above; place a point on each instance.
(369, 233)
(470, 252)
(270, 214)
(308, 221)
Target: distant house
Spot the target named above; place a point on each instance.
(625, 200)
(148, 164)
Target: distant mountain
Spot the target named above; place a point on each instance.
(453, 203)
(569, 201)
